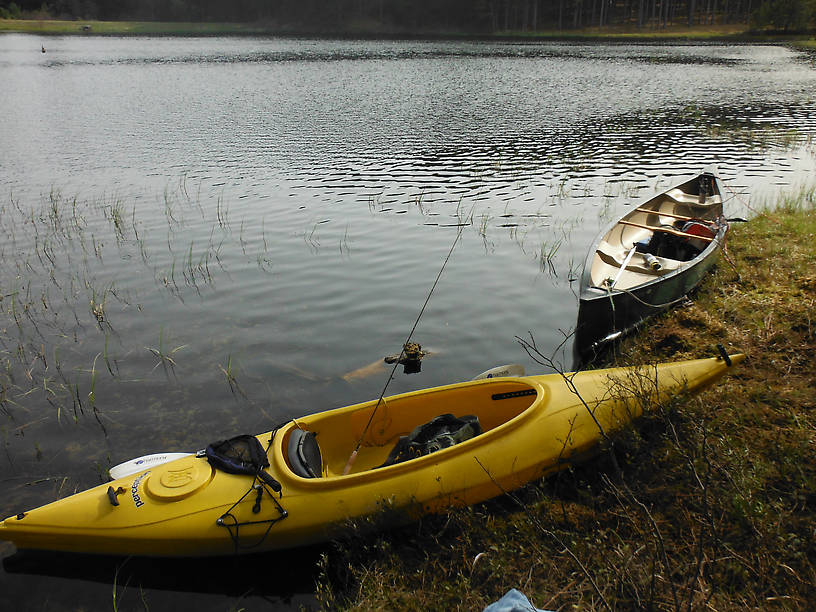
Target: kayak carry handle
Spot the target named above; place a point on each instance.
(113, 494)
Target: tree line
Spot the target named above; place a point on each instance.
(472, 16)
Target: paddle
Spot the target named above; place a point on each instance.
(126, 468)
(511, 369)
(623, 266)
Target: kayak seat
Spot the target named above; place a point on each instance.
(304, 454)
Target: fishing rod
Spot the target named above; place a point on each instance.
(380, 400)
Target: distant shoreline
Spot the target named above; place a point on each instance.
(716, 33)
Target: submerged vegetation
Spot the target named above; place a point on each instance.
(78, 328)
(713, 503)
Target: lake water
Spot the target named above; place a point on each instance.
(205, 237)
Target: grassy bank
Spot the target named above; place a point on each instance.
(145, 28)
(715, 508)
(124, 28)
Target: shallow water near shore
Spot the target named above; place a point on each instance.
(205, 237)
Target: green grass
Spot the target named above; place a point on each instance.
(807, 44)
(158, 28)
(716, 503)
(716, 32)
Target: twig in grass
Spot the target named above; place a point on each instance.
(551, 534)
(643, 395)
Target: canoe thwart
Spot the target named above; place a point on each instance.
(666, 230)
(663, 213)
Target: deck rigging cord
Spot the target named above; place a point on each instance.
(262, 483)
(381, 399)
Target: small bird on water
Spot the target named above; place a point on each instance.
(43, 48)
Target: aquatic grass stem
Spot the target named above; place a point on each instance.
(165, 358)
(92, 392)
(231, 380)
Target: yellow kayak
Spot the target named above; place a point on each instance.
(528, 427)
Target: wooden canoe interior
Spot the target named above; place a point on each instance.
(659, 213)
(338, 432)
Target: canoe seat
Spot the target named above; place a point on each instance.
(638, 263)
(304, 454)
(680, 196)
(609, 255)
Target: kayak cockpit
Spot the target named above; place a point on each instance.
(320, 445)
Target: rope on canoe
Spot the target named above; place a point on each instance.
(735, 195)
(645, 303)
(721, 222)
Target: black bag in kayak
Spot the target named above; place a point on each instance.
(441, 432)
(241, 455)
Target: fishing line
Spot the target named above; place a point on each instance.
(380, 400)
(735, 195)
